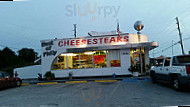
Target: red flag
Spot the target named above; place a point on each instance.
(118, 30)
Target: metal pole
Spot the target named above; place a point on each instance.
(141, 61)
(139, 39)
(75, 30)
(172, 48)
(180, 36)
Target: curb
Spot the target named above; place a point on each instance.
(85, 81)
(70, 82)
(105, 80)
(25, 84)
(47, 83)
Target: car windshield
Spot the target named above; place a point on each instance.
(6, 74)
(158, 62)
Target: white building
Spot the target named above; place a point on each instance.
(95, 56)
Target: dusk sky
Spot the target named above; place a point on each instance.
(25, 23)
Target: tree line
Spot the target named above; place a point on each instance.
(10, 60)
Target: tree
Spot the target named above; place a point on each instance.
(8, 57)
(8, 60)
(28, 55)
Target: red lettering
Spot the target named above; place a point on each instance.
(126, 38)
(77, 42)
(66, 42)
(89, 41)
(60, 43)
(83, 42)
(95, 41)
(106, 40)
(100, 40)
(119, 39)
(72, 42)
(112, 39)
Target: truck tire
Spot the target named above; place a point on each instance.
(154, 81)
(176, 84)
(153, 77)
(18, 83)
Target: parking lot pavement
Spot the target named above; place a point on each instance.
(94, 94)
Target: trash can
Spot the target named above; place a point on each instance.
(70, 75)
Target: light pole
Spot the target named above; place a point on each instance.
(138, 26)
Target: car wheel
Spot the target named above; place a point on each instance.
(154, 80)
(176, 84)
(153, 77)
(18, 83)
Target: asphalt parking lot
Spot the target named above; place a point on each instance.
(94, 94)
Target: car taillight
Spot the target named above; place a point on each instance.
(188, 69)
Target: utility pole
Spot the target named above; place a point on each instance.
(75, 30)
(172, 48)
(178, 27)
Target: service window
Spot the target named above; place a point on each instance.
(59, 62)
(100, 60)
(73, 60)
(86, 59)
(167, 62)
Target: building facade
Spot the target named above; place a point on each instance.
(95, 55)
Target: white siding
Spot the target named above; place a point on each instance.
(28, 72)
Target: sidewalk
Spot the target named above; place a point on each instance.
(124, 79)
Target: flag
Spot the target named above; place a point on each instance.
(118, 30)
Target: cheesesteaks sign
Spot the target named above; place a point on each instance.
(94, 41)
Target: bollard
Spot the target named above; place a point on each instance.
(70, 75)
(114, 76)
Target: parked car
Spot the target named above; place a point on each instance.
(6, 80)
(174, 70)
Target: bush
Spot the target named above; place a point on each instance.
(49, 75)
(134, 68)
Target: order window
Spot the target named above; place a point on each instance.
(73, 61)
(59, 63)
(99, 59)
(86, 59)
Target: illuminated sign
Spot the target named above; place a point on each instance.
(94, 41)
(98, 59)
(115, 63)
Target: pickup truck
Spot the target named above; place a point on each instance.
(174, 70)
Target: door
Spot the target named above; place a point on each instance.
(10, 82)
(159, 67)
(165, 69)
(2, 81)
